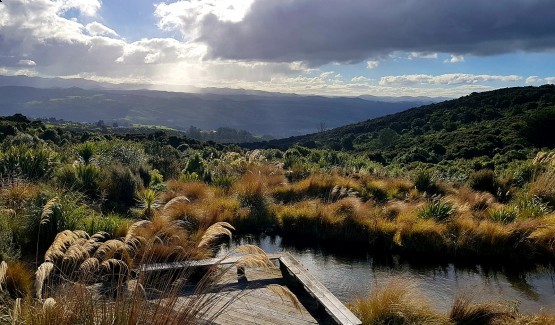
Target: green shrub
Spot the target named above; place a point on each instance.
(189, 177)
(85, 152)
(530, 207)
(423, 181)
(27, 162)
(437, 209)
(66, 177)
(88, 177)
(483, 180)
(504, 215)
(8, 246)
(119, 187)
(224, 181)
(374, 192)
(155, 177)
(113, 224)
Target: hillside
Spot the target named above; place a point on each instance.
(278, 115)
(511, 120)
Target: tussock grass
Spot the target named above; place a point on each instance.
(315, 186)
(16, 280)
(397, 302)
(464, 312)
(193, 191)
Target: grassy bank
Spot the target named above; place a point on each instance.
(399, 302)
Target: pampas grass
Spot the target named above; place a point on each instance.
(215, 232)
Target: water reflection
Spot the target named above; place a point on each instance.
(352, 272)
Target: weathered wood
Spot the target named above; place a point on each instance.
(336, 309)
(195, 264)
(257, 305)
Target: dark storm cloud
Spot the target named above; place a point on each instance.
(321, 31)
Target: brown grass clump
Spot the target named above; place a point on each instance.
(544, 235)
(540, 319)
(316, 186)
(193, 191)
(468, 200)
(397, 302)
(17, 194)
(543, 186)
(16, 280)
(465, 313)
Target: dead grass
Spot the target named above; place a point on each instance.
(193, 191)
(397, 302)
(464, 312)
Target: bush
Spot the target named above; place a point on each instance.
(437, 210)
(423, 181)
(119, 187)
(88, 177)
(504, 215)
(27, 162)
(531, 207)
(113, 224)
(8, 247)
(483, 180)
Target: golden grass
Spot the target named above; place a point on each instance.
(464, 311)
(215, 232)
(17, 194)
(315, 186)
(193, 191)
(397, 302)
(18, 280)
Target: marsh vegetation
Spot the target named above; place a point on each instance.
(79, 208)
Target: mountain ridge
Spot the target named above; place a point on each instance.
(276, 115)
(501, 121)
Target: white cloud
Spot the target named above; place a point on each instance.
(422, 55)
(445, 79)
(97, 29)
(27, 63)
(533, 80)
(372, 64)
(360, 79)
(550, 80)
(455, 59)
(85, 7)
(187, 16)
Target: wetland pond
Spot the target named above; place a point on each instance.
(349, 275)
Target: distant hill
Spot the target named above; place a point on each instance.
(259, 113)
(506, 121)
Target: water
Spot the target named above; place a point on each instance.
(350, 275)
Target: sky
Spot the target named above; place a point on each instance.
(437, 48)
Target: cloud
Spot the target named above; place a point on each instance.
(445, 79)
(97, 29)
(372, 64)
(360, 79)
(422, 55)
(27, 63)
(533, 80)
(550, 80)
(352, 31)
(455, 59)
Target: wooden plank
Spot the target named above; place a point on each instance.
(336, 309)
(198, 263)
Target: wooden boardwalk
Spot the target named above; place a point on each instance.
(248, 300)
